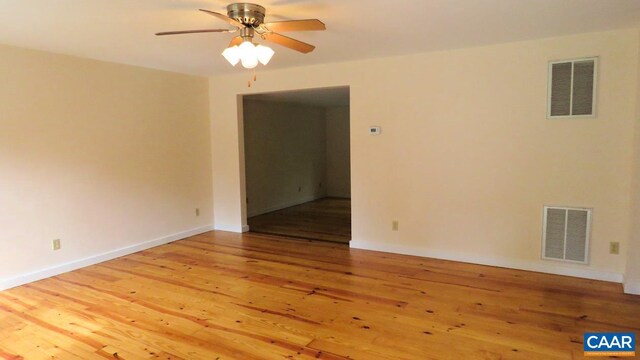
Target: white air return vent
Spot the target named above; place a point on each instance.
(572, 88)
(565, 234)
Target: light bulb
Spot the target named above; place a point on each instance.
(264, 54)
(249, 63)
(248, 55)
(232, 54)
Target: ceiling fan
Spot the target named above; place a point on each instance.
(249, 20)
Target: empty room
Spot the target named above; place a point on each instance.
(297, 164)
(319, 179)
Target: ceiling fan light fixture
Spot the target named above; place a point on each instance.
(264, 54)
(232, 54)
(248, 54)
(248, 19)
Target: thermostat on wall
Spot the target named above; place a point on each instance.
(375, 130)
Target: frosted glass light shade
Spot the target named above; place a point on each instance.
(232, 54)
(264, 54)
(248, 55)
(249, 63)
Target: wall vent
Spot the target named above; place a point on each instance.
(572, 88)
(565, 234)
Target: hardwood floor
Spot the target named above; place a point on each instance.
(230, 296)
(327, 219)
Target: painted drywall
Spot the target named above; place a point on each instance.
(632, 274)
(338, 152)
(107, 158)
(285, 154)
(467, 157)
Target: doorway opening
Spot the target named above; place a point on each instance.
(297, 163)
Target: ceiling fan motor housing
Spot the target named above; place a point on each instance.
(251, 15)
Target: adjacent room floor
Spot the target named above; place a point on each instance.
(231, 296)
(327, 219)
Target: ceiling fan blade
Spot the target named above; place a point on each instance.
(224, 18)
(285, 41)
(194, 31)
(296, 25)
(236, 41)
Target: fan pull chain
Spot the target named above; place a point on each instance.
(255, 77)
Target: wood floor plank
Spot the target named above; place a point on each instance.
(229, 296)
(327, 219)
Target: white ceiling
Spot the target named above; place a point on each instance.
(122, 30)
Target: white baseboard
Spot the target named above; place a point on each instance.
(95, 259)
(232, 228)
(632, 287)
(284, 205)
(229, 228)
(542, 266)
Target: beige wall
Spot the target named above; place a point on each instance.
(285, 154)
(338, 158)
(104, 157)
(632, 275)
(467, 158)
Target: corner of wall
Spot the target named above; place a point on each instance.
(632, 271)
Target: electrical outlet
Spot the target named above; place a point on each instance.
(614, 248)
(394, 225)
(197, 212)
(55, 244)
